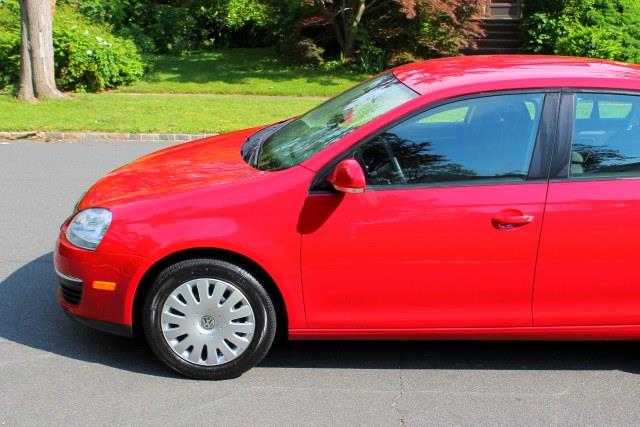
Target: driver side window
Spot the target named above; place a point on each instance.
(488, 139)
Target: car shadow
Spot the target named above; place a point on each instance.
(30, 316)
(475, 355)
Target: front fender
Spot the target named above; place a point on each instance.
(259, 225)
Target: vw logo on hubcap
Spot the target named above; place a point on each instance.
(207, 322)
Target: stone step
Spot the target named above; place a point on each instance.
(499, 43)
(503, 32)
(491, 51)
(502, 37)
(502, 24)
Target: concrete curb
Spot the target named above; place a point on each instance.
(100, 136)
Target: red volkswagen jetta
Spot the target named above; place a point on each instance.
(480, 198)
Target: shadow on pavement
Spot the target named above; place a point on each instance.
(30, 316)
(477, 355)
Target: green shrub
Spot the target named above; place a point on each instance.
(177, 27)
(621, 18)
(592, 42)
(88, 57)
(9, 42)
(543, 31)
(112, 12)
(436, 29)
(605, 29)
(371, 58)
(236, 23)
(304, 51)
(400, 58)
(555, 8)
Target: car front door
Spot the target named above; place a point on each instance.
(447, 231)
(589, 264)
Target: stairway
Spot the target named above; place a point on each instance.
(502, 37)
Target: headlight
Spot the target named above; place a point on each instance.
(88, 227)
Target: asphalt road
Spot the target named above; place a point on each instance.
(55, 372)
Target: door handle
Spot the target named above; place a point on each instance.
(510, 219)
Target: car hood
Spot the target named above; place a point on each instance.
(211, 161)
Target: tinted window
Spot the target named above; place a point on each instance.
(490, 138)
(606, 136)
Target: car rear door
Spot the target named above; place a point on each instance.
(588, 269)
(447, 231)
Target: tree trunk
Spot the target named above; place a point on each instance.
(351, 16)
(38, 37)
(349, 48)
(25, 89)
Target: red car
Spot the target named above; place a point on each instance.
(488, 197)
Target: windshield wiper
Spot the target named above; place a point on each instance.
(253, 146)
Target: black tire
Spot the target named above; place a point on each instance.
(172, 277)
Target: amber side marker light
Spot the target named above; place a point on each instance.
(104, 286)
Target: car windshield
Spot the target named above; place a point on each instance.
(310, 133)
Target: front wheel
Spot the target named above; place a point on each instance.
(209, 319)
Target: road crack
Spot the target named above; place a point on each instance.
(396, 400)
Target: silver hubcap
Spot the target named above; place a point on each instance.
(207, 322)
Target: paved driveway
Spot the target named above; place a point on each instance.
(54, 372)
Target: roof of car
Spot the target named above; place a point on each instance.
(496, 72)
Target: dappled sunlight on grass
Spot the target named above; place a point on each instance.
(231, 72)
(257, 71)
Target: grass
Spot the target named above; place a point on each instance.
(147, 113)
(232, 72)
(250, 71)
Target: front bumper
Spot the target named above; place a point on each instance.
(82, 294)
(110, 328)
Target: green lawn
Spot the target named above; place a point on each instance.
(254, 71)
(232, 72)
(148, 113)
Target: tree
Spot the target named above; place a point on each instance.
(453, 20)
(37, 76)
(344, 16)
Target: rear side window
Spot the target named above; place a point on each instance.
(473, 141)
(606, 136)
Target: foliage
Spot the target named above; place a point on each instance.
(112, 12)
(88, 57)
(570, 8)
(423, 28)
(543, 32)
(9, 42)
(371, 58)
(302, 50)
(595, 28)
(400, 58)
(592, 42)
(364, 32)
(180, 26)
(447, 26)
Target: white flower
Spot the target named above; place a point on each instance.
(89, 52)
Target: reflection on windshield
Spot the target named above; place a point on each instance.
(312, 132)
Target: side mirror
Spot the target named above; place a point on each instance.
(348, 177)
